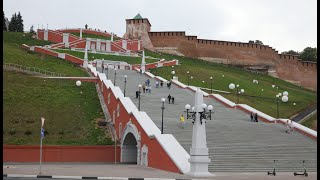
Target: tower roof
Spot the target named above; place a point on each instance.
(138, 16)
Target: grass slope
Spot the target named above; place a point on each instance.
(92, 56)
(70, 116)
(203, 70)
(311, 122)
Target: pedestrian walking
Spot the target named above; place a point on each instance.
(256, 117)
(169, 98)
(157, 83)
(161, 83)
(149, 89)
(148, 82)
(137, 94)
(144, 88)
(172, 99)
(251, 116)
(289, 127)
(167, 84)
(182, 121)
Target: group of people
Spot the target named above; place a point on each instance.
(289, 126)
(254, 117)
(170, 99)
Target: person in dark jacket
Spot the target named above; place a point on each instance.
(172, 98)
(256, 117)
(169, 98)
(251, 116)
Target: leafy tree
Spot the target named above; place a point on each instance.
(32, 30)
(258, 42)
(292, 52)
(309, 54)
(86, 26)
(251, 42)
(13, 23)
(19, 23)
(4, 22)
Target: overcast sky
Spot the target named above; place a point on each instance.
(281, 24)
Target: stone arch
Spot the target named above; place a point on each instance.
(130, 144)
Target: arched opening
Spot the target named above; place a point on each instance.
(129, 149)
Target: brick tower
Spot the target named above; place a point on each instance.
(138, 28)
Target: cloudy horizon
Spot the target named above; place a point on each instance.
(284, 25)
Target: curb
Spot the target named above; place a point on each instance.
(82, 177)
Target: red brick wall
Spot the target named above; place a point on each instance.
(20, 153)
(73, 59)
(45, 51)
(288, 67)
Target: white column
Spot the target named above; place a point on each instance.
(199, 154)
(66, 39)
(98, 45)
(143, 63)
(45, 35)
(88, 43)
(108, 46)
(80, 33)
(111, 37)
(138, 45)
(86, 53)
(124, 44)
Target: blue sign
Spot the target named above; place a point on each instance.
(42, 133)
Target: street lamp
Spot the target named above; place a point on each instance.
(115, 75)
(211, 83)
(78, 83)
(283, 99)
(139, 95)
(162, 100)
(188, 78)
(238, 92)
(203, 114)
(172, 72)
(125, 83)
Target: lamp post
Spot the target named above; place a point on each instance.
(162, 100)
(172, 72)
(139, 95)
(199, 155)
(125, 83)
(211, 83)
(115, 75)
(107, 72)
(284, 99)
(41, 137)
(188, 78)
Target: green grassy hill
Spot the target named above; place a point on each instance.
(70, 115)
(203, 70)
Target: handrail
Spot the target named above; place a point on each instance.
(35, 69)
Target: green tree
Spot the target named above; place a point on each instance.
(13, 23)
(259, 42)
(19, 23)
(292, 52)
(4, 22)
(309, 54)
(32, 30)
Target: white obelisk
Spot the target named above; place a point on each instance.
(199, 154)
(143, 63)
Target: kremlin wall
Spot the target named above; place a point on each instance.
(286, 67)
